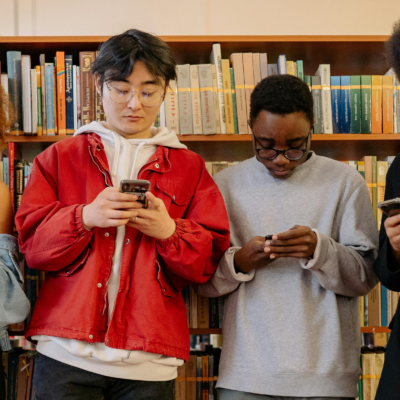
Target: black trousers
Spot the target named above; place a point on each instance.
(55, 380)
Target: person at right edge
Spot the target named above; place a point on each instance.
(291, 319)
(387, 265)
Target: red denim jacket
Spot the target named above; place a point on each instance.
(149, 312)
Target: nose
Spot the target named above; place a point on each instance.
(281, 160)
(135, 103)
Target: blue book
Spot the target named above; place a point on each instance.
(6, 172)
(282, 65)
(12, 375)
(15, 89)
(384, 306)
(50, 99)
(336, 105)
(345, 103)
(69, 95)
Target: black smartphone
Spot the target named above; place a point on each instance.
(268, 237)
(390, 207)
(138, 187)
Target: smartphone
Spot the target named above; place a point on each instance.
(268, 237)
(390, 207)
(138, 187)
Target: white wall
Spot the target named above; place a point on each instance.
(198, 17)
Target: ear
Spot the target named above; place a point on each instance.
(98, 85)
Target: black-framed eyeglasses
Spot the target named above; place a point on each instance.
(291, 154)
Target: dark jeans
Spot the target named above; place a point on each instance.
(55, 380)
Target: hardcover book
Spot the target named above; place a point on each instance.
(263, 65)
(86, 59)
(50, 99)
(26, 95)
(248, 79)
(207, 100)
(256, 68)
(43, 84)
(215, 59)
(336, 106)
(366, 83)
(234, 105)
(282, 65)
(324, 71)
(387, 104)
(355, 104)
(185, 101)
(39, 100)
(196, 101)
(345, 103)
(61, 112)
(226, 75)
(70, 104)
(15, 89)
(216, 96)
(172, 107)
(376, 104)
(34, 102)
(317, 99)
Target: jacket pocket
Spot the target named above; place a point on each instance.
(74, 266)
(178, 195)
(167, 289)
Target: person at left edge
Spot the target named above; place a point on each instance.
(111, 304)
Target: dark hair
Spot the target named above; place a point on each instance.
(393, 49)
(118, 55)
(282, 94)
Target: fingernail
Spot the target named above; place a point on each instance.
(274, 237)
(267, 249)
(272, 256)
(267, 243)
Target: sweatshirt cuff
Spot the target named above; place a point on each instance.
(5, 344)
(82, 230)
(316, 262)
(228, 266)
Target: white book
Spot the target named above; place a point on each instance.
(75, 100)
(185, 102)
(34, 102)
(78, 98)
(163, 122)
(215, 58)
(216, 104)
(26, 94)
(256, 68)
(263, 65)
(196, 103)
(282, 65)
(324, 71)
(172, 107)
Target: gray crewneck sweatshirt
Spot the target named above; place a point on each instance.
(292, 328)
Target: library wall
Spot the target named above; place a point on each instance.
(198, 17)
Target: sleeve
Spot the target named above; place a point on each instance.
(226, 279)
(345, 266)
(51, 235)
(386, 268)
(191, 255)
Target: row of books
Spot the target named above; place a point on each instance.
(19, 367)
(51, 98)
(198, 377)
(355, 104)
(371, 362)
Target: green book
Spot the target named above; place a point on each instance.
(307, 80)
(355, 104)
(39, 108)
(317, 104)
(300, 69)
(234, 102)
(366, 83)
(360, 386)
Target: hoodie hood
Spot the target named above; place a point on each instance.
(120, 146)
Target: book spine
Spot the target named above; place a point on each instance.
(15, 89)
(376, 104)
(366, 83)
(256, 68)
(345, 103)
(216, 95)
(214, 319)
(61, 106)
(397, 91)
(39, 100)
(374, 187)
(172, 107)
(86, 60)
(324, 71)
(19, 183)
(300, 70)
(26, 95)
(203, 308)
(55, 98)
(282, 65)
(290, 68)
(248, 80)
(384, 306)
(336, 106)
(237, 64)
(12, 376)
(216, 60)
(374, 306)
(263, 65)
(355, 104)
(11, 161)
(185, 102)
(234, 105)
(226, 75)
(70, 104)
(207, 99)
(34, 102)
(387, 104)
(6, 170)
(78, 98)
(317, 99)
(50, 100)
(196, 102)
(199, 377)
(205, 388)
(43, 84)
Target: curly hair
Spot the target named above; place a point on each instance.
(6, 115)
(393, 49)
(281, 94)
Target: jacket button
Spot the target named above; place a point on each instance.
(174, 197)
(99, 285)
(157, 165)
(106, 234)
(98, 149)
(127, 241)
(90, 336)
(165, 290)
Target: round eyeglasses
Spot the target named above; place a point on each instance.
(120, 93)
(291, 154)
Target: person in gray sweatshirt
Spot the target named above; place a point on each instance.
(291, 322)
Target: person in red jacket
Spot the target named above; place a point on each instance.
(110, 320)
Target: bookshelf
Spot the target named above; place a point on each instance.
(347, 55)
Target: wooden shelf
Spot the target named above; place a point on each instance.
(205, 331)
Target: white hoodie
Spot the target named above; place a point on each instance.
(126, 157)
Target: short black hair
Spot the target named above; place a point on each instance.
(281, 94)
(118, 55)
(393, 49)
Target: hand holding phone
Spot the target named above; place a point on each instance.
(137, 187)
(390, 207)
